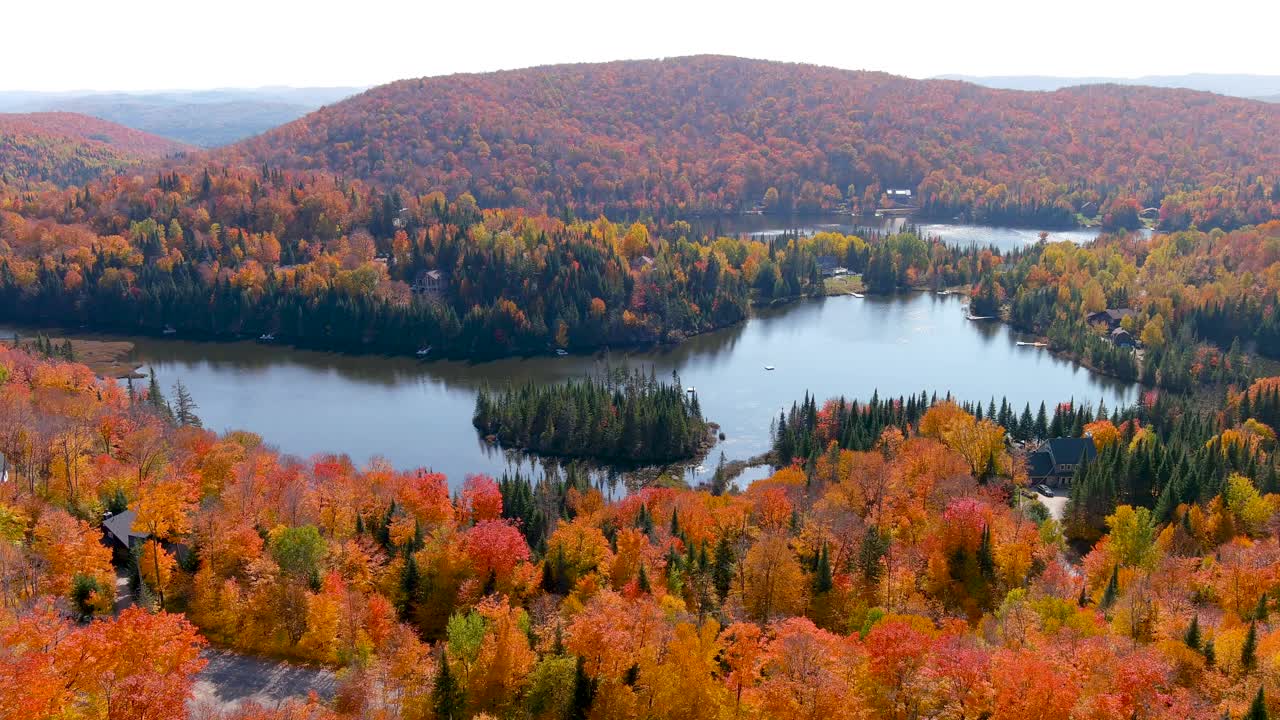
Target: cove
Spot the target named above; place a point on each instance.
(418, 414)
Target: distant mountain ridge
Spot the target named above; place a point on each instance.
(67, 148)
(1258, 87)
(205, 118)
(723, 134)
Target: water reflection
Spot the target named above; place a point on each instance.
(417, 413)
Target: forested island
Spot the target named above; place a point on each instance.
(909, 557)
(620, 417)
(902, 535)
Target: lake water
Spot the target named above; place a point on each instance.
(1004, 238)
(418, 414)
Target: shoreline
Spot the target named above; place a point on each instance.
(109, 359)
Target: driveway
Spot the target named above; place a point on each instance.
(1057, 504)
(231, 680)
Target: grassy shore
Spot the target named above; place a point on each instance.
(107, 358)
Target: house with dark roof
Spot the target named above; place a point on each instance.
(1055, 462)
(829, 266)
(119, 534)
(1122, 338)
(1111, 317)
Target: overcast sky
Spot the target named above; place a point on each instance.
(164, 44)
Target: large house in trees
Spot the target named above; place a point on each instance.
(1055, 462)
(1111, 317)
(431, 282)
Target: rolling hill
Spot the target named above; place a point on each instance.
(1238, 85)
(67, 148)
(713, 134)
(206, 118)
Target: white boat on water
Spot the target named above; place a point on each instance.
(423, 352)
(170, 330)
(1033, 344)
(857, 295)
(267, 337)
(768, 367)
(691, 390)
(981, 317)
(561, 352)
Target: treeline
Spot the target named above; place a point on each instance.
(321, 263)
(719, 134)
(821, 591)
(1170, 455)
(1200, 303)
(807, 429)
(622, 416)
(507, 283)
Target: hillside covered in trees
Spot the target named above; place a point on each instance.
(67, 148)
(901, 575)
(323, 262)
(715, 134)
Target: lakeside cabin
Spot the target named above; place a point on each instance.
(828, 266)
(1056, 460)
(1122, 338)
(1111, 317)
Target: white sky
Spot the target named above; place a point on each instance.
(166, 44)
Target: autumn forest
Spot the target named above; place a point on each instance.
(903, 557)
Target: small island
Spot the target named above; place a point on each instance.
(621, 417)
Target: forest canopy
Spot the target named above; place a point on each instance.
(622, 416)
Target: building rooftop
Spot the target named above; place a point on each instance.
(119, 527)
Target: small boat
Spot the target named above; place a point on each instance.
(1033, 344)
(980, 317)
(691, 390)
(266, 338)
(423, 352)
(943, 292)
(768, 367)
(857, 295)
(170, 330)
(561, 352)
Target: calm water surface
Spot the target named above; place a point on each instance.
(1004, 238)
(418, 414)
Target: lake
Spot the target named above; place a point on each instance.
(418, 414)
(1004, 238)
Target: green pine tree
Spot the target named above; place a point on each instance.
(722, 568)
(447, 698)
(1249, 651)
(1192, 636)
(584, 693)
(822, 582)
(1258, 708)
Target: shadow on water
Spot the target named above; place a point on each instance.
(418, 414)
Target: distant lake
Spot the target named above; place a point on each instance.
(1004, 238)
(418, 414)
